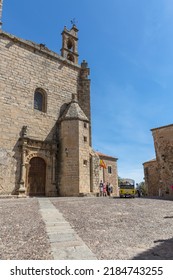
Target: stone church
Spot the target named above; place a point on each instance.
(45, 121)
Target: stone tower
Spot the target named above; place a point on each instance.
(74, 151)
(69, 44)
(84, 92)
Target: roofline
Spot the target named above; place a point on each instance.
(63, 117)
(150, 161)
(165, 126)
(39, 47)
(73, 118)
(106, 156)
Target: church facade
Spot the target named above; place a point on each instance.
(45, 121)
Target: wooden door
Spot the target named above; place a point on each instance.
(37, 177)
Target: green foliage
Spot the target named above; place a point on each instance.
(142, 188)
(119, 180)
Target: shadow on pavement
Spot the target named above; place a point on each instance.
(158, 197)
(162, 251)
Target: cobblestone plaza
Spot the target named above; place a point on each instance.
(86, 228)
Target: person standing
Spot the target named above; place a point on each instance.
(138, 192)
(104, 189)
(101, 188)
(109, 189)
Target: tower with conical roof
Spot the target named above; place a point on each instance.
(74, 151)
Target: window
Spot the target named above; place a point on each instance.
(85, 125)
(85, 139)
(40, 100)
(109, 169)
(85, 162)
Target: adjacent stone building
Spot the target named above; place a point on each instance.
(108, 173)
(159, 173)
(45, 121)
(151, 172)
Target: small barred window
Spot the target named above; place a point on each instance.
(109, 169)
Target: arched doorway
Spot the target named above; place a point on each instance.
(37, 176)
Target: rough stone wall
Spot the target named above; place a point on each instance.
(152, 178)
(112, 177)
(95, 160)
(69, 158)
(24, 67)
(75, 158)
(84, 158)
(84, 93)
(7, 170)
(163, 142)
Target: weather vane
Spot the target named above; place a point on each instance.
(73, 21)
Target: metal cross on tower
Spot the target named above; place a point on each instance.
(73, 21)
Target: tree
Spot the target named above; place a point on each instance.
(142, 188)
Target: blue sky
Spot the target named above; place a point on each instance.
(128, 45)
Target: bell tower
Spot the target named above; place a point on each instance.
(69, 44)
(1, 4)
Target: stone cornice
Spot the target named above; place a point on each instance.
(162, 127)
(40, 48)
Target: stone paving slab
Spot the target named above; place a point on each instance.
(59, 237)
(53, 230)
(66, 244)
(73, 253)
(64, 241)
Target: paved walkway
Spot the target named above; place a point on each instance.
(64, 241)
(69, 227)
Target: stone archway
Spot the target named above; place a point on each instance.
(37, 176)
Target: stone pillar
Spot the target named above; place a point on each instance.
(22, 188)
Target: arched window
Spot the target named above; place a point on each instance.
(40, 100)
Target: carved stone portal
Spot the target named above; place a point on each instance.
(37, 167)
